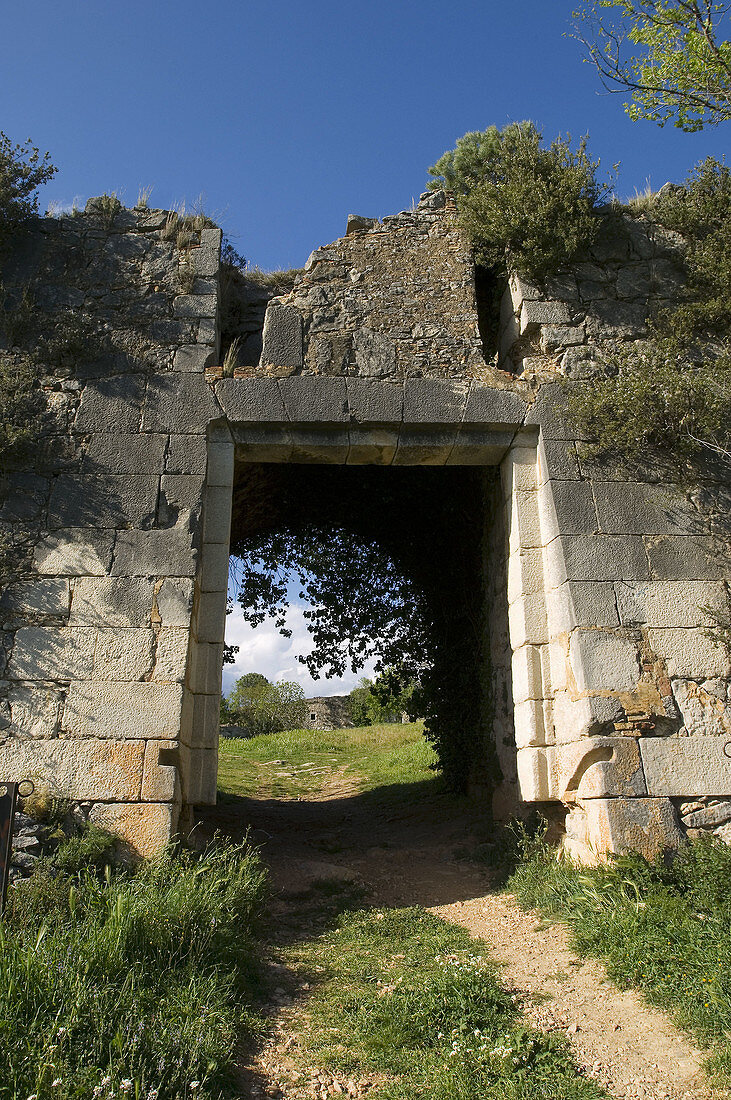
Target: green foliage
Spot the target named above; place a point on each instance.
(130, 984)
(382, 701)
(525, 207)
(415, 998)
(22, 171)
(668, 54)
(258, 706)
(663, 928)
(21, 401)
(673, 393)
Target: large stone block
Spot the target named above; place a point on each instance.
(530, 725)
(251, 400)
(566, 508)
(147, 827)
(160, 778)
(634, 508)
(371, 446)
(487, 405)
(53, 653)
(309, 399)
(186, 454)
(114, 711)
(220, 468)
(558, 460)
(604, 662)
(195, 305)
(205, 668)
(34, 709)
(282, 338)
(123, 654)
(691, 557)
(600, 826)
(596, 558)
(527, 619)
(584, 716)
(74, 552)
(474, 447)
(527, 665)
(199, 775)
(534, 313)
(536, 768)
(179, 403)
(524, 531)
(690, 652)
(40, 597)
(111, 405)
(213, 574)
(175, 601)
(599, 767)
(690, 766)
(581, 603)
(371, 402)
(171, 654)
(211, 617)
(124, 453)
(374, 354)
(424, 447)
(519, 470)
(525, 573)
(669, 603)
(125, 500)
(329, 445)
(256, 444)
(193, 358)
(155, 553)
(217, 515)
(433, 401)
(76, 769)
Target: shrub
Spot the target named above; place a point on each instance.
(673, 393)
(22, 171)
(524, 206)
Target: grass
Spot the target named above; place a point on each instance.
(415, 1003)
(280, 280)
(293, 764)
(664, 928)
(128, 984)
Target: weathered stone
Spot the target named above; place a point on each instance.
(75, 551)
(211, 617)
(111, 602)
(374, 402)
(691, 557)
(251, 400)
(424, 448)
(111, 405)
(433, 401)
(146, 827)
(282, 337)
(160, 778)
(217, 515)
(205, 669)
(159, 553)
(195, 305)
(34, 710)
(473, 447)
(178, 403)
(374, 353)
(186, 454)
(486, 405)
(690, 652)
(319, 445)
(53, 653)
(122, 453)
(81, 769)
(536, 771)
(123, 654)
(566, 508)
(371, 446)
(636, 509)
(537, 312)
(597, 558)
(103, 501)
(600, 767)
(357, 224)
(175, 601)
(604, 662)
(322, 400)
(179, 493)
(40, 597)
(193, 358)
(716, 814)
(670, 603)
(644, 825)
(582, 603)
(110, 711)
(684, 765)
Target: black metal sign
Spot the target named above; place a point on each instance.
(8, 798)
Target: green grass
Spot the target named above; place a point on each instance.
(294, 764)
(662, 928)
(131, 983)
(415, 1001)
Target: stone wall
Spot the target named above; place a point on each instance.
(328, 712)
(617, 704)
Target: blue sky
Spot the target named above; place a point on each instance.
(286, 117)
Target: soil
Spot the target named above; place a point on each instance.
(407, 857)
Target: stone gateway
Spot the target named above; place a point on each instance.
(610, 690)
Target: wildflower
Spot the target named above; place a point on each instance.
(126, 1085)
(33, 1096)
(56, 1083)
(194, 1085)
(152, 1094)
(106, 1081)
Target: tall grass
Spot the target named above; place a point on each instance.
(131, 984)
(663, 927)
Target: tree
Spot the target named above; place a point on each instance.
(668, 54)
(525, 206)
(258, 706)
(22, 171)
(382, 700)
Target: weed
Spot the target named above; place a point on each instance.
(129, 984)
(186, 273)
(231, 358)
(280, 281)
(143, 197)
(106, 207)
(664, 928)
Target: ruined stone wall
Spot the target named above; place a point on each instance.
(328, 712)
(619, 696)
(103, 595)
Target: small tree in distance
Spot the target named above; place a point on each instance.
(258, 706)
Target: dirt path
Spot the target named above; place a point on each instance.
(406, 857)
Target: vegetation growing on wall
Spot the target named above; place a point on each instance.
(672, 394)
(526, 207)
(22, 171)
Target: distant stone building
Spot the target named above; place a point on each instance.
(328, 712)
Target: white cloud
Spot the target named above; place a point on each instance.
(263, 649)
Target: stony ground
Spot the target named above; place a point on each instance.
(407, 857)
